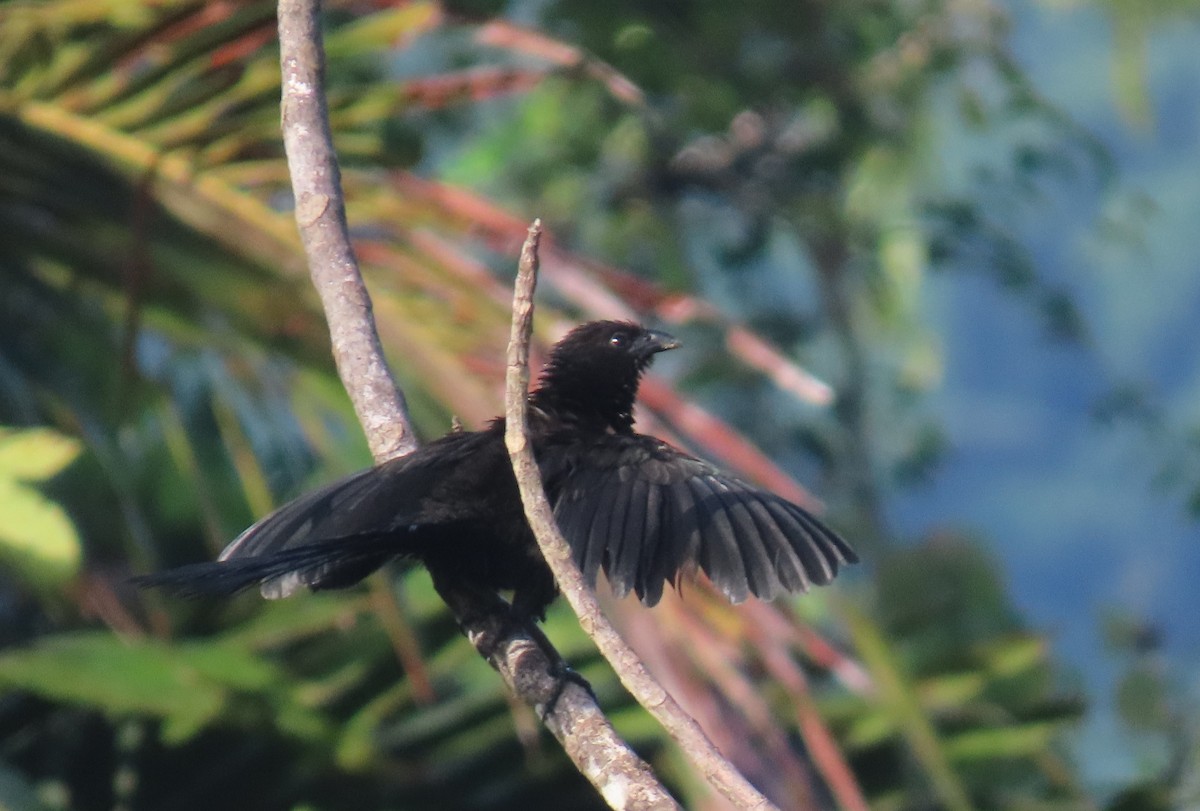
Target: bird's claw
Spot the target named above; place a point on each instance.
(564, 674)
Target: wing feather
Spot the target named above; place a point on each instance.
(786, 566)
(680, 547)
(807, 548)
(720, 557)
(292, 524)
(834, 550)
(592, 532)
(626, 560)
(649, 583)
(385, 503)
(615, 541)
(319, 565)
(754, 547)
(648, 514)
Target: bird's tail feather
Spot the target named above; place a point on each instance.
(334, 563)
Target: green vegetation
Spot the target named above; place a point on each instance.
(761, 176)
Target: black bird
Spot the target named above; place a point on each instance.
(634, 506)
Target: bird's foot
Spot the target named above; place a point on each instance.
(564, 674)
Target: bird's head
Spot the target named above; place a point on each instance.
(593, 372)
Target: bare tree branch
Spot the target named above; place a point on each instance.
(719, 772)
(528, 663)
(534, 672)
(321, 217)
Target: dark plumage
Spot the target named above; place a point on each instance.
(628, 504)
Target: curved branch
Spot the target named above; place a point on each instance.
(719, 772)
(321, 217)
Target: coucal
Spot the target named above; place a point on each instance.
(632, 505)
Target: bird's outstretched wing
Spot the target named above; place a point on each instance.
(338, 534)
(645, 513)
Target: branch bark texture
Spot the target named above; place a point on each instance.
(533, 671)
(321, 217)
(719, 772)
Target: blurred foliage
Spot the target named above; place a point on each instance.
(1132, 23)
(37, 539)
(754, 174)
(971, 690)
(784, 166)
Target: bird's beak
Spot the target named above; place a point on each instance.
(652, 341)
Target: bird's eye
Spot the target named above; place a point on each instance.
(618, 340)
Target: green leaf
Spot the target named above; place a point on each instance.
(282, 622)
(948, 691)
(117, 677)
(897, 696)
(384, 28)
(35, 454)
(1015, 655)
(870, 727)
(185, 686)
(356, 746)
(36, 536)
(1026, 740)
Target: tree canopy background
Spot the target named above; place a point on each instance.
(970, 222)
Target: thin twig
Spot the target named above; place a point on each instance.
(387, 605)
(321, 217)
(719, 772)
